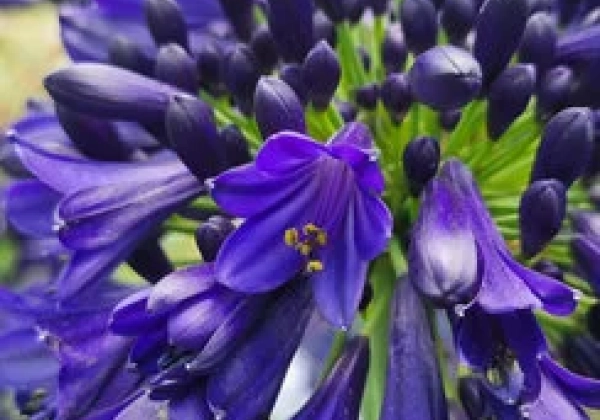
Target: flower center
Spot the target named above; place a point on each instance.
(306, 241)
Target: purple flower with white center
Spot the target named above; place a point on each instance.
(310, 208)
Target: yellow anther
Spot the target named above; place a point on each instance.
(304, 248)
(314, 266)
(321, 238)
(290, 237)
(310, 228)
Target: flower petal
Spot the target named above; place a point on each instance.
(372, 224)
(584, 390)
(286, 152)
(30, 208)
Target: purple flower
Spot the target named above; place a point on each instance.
(311, 208)
(458, 255)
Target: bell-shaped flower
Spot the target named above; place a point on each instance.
(453, 212)
(311, 208)
(413, 388)
(339, 396)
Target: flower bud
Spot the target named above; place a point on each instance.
(442, 257)
(264, 48)
(175, 67)
(240, 16)
(211, 235)
(291, 23)
(413, 388)
(449, 119)
(323, 29)
(96, 138)
(508, 97)
(498, 32)
(566, 146)
(458, 17)
(541, 212)
(109, 92)
(586, 254)
(539, 41)
(419, 23)
(193, 135)
(393, 49)
(554, 90)
(293, 75)
(367, 96)
(236, 146)
(165, 22)
(277, 108)
(395, 94)
(210, 62)
(445, 78)
(241, 76)
(420, 162)
(338, 397)
(124, 53)
(322, 72)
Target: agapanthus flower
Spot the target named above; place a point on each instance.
(375, 191)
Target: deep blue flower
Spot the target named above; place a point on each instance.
(309, 208)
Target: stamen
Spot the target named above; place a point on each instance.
(314, 266)
(290, 237)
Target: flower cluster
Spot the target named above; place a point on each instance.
(216, 183)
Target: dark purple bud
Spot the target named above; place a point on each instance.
(458, 17)
(367, 96)
(236, 146)
(277, 108)
(355, 9)
(449, 119)
(566, 146)
(541, 212)
(393, 49)
(498, 32)
(413, 388)
(379, 7)
(323, 29)
(193, 135)
(94, 137)
(322, 72)
(264, 48)
(124, 53)
(334, 9)
(445, 78)
(420, 162)
(241, 76)
(419, 23)
(150, 261)
(593, 321)
(109, 92)
(240, 15)
(347, 110)
(165, 22)
(508, 97)
(539, 41)
(586, 254)
(293, 75)
(395, 94)
(582, 355)
(291, 23)
(443, 254)
(209, 60)
(338, 397)
(175, 67)
(211, 235)
(554, 90)
(471, 398)
(549, 269)
(245, 385)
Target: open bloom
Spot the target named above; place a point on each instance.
(308, 207)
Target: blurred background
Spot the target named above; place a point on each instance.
(29, 49)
